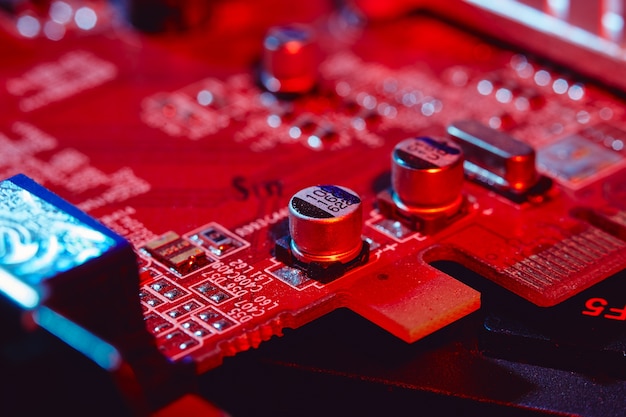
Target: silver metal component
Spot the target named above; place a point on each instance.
(427, 175)
(290, 59)
(510, 161)
(325, 224)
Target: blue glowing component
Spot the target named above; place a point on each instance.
(42, 236)
(90, 345)
(18, 291)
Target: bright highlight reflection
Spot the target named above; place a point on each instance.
(60, 12)
(103, 354)
(85, 18)
(38, 240)
(18, 291)
(553, 24)
(53, 30)
(28, 26)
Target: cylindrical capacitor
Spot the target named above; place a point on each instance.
(290, 59)
(427, 174)
(325, 223)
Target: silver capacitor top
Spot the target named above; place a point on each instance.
(427, 173)
(325, 223)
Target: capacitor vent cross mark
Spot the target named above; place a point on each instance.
(426, 183)
(324, 240)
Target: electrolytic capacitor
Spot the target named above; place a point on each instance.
(290, 59)
(325, 223)
(427, 174)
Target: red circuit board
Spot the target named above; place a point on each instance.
(172, 143)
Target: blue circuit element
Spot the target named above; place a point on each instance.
(43, 236)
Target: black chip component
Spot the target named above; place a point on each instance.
(177, 254)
